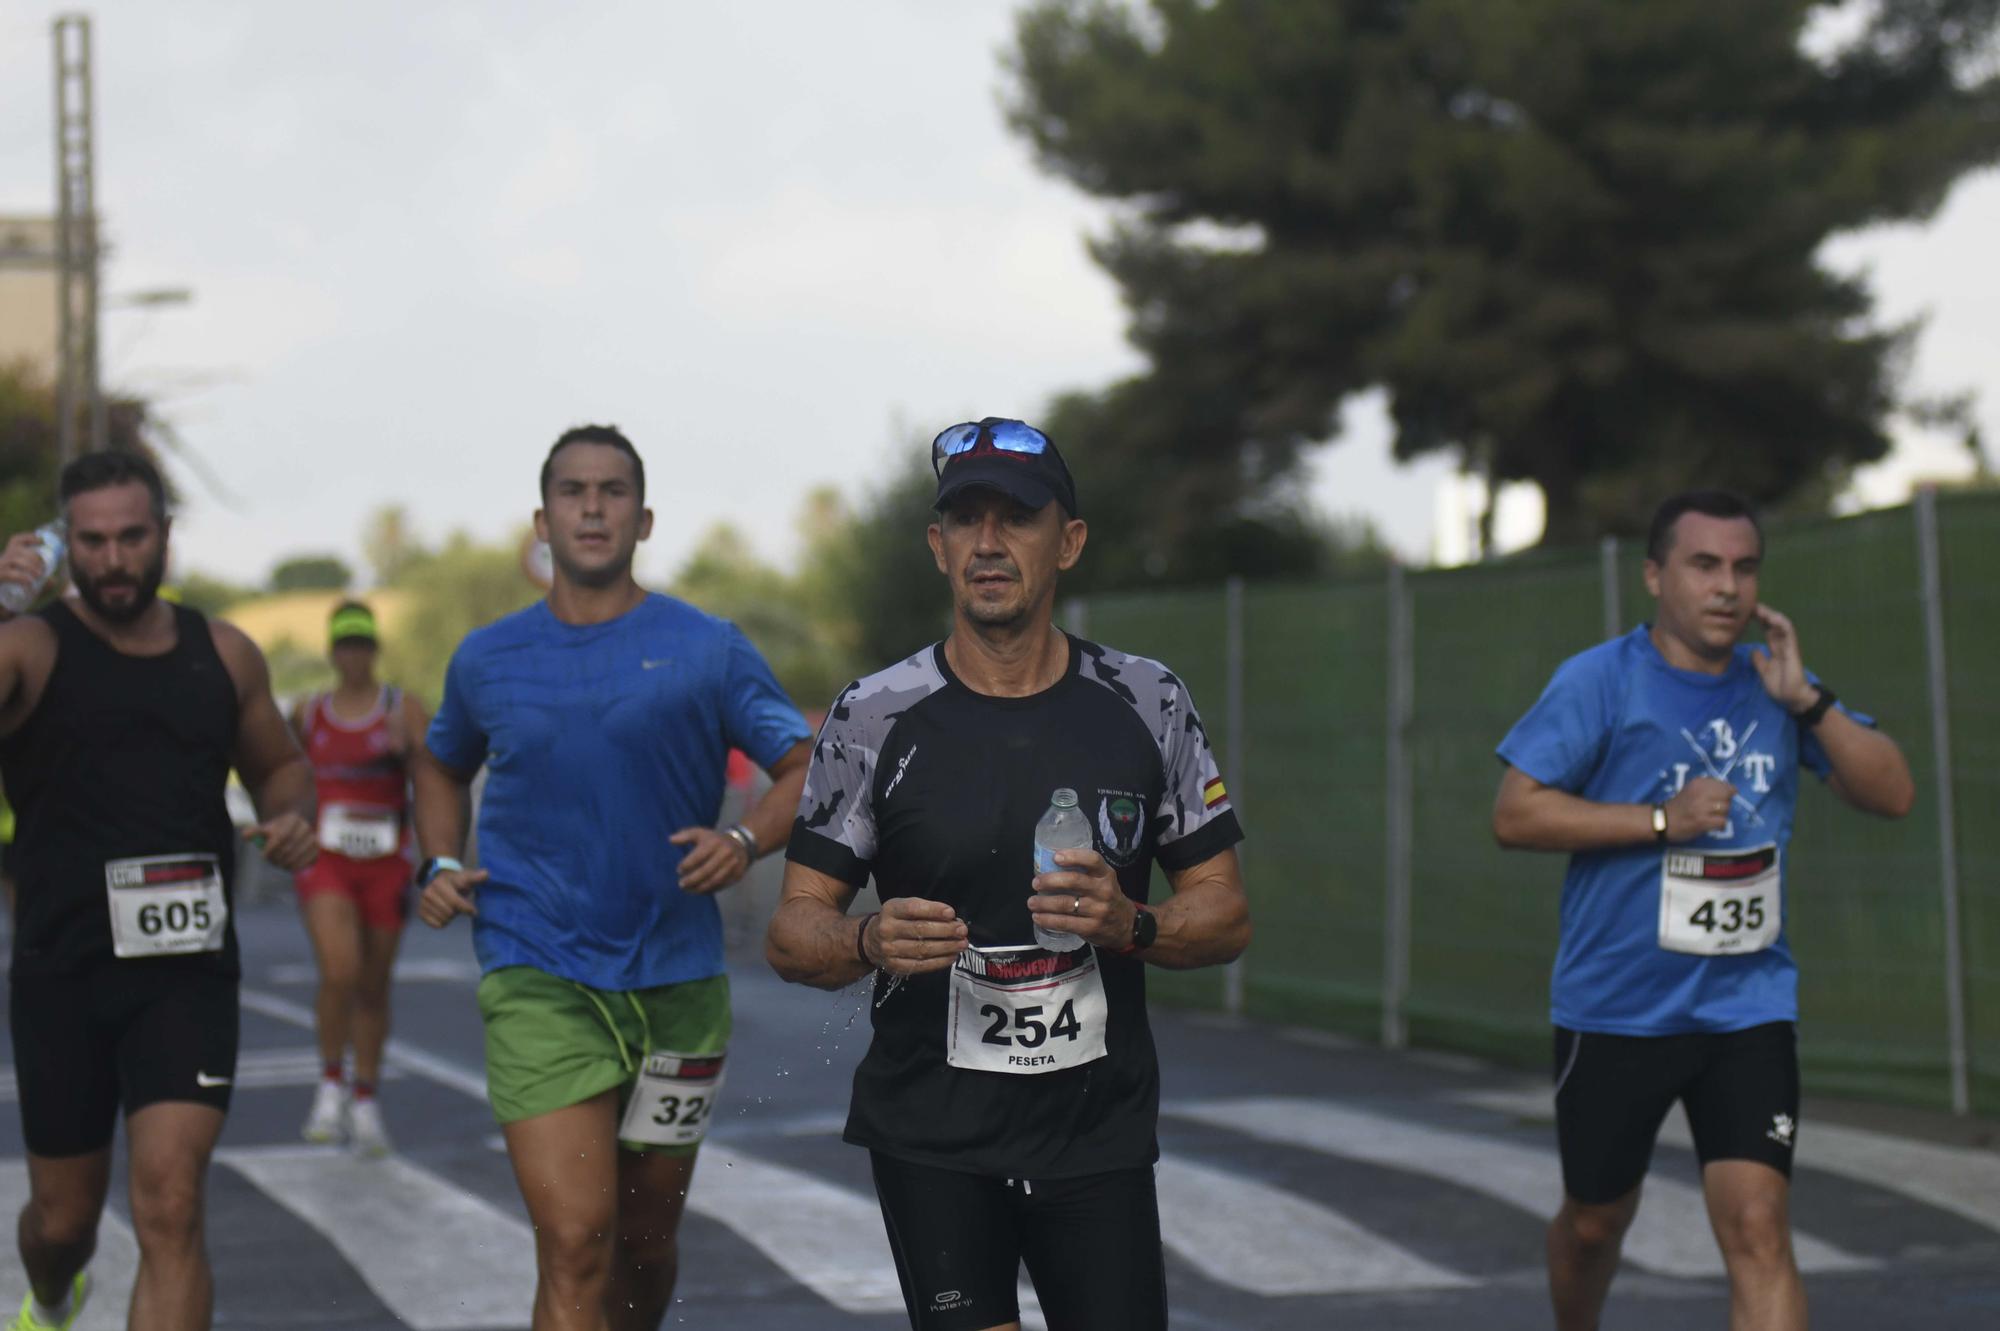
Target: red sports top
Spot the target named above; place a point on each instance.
(355, 763)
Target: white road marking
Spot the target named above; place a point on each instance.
(825, 1237)
(397, 1054)
(440, 1257)
(111, 1270)
(256, 1069)
(440, 970)
(1671, 1234)
(1961, 1179)
(1251, 1236)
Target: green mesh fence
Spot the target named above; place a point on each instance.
(1968, 541)
(1866, 896)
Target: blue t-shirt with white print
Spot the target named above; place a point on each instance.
(601, 741)
(1619, 725)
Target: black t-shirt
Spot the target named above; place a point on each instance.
(935, 790)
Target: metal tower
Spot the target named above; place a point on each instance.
(78, 392)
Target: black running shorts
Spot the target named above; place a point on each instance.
(1740, 1090)
(1091, 1246)
(124, 1034)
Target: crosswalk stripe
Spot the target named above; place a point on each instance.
(1962, 1180)
(256, 1069)
(825, 1237)
(1249, 1235)
(111, 1270)
(441, 1258)
(397, 1055)
(1671, 1234)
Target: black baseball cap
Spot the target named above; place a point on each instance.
(1002, 454)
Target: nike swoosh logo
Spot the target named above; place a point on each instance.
(655, 665)
(202, 1079)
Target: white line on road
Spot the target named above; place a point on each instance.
(1671, 1234)
(1959, 1179)
(823, 1236)
(1251, 1236)
(396, 1054)
(438, 1256)
(256, 1069)
(111, 1270)
(420, 970)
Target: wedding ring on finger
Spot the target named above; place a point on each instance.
(1075, 905)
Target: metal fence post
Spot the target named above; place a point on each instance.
(1076, 616)
(1238, 779)
(1396, 904)
(1954, 941)
(1607, 560)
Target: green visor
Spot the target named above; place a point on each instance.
(350, 622)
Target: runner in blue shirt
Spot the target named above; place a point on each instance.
(604, 717)
(1666, 763)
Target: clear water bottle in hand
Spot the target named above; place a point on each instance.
(1063, 827)
(49, 545)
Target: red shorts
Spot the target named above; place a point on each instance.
(379, 889)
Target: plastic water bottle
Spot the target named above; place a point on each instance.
(1063, 827)
(49, 544)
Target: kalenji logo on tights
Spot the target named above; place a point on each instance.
(950, 1299)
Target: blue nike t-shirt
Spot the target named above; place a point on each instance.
(601, 741)
(1618, 725)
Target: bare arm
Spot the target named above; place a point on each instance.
(1528, 815)
(443, 816)
(267, 756)
(715, 861)
(812, 941)
(1206, 921)
(1869, 770)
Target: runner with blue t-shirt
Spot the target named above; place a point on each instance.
(1666, 762)
(604, 717)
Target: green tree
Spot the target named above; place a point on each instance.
(316, 573)
(29, 442)
(1576, 240)
(210, 595)
(391, 545)
(463, 586)
(801, 622)
(881, 569)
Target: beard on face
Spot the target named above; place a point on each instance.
(604, 575)
(146, 588)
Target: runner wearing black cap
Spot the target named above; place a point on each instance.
(1010, 1095)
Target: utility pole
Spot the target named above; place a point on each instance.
(78, 391)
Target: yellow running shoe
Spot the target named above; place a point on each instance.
(27, 1321)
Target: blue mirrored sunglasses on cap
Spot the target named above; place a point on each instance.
(1005, 435)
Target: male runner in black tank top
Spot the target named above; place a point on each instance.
(120, 717)
(1010, 1096)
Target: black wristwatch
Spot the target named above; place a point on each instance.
(1816, 713)
(1145, 931)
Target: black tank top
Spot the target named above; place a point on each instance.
(124, 757)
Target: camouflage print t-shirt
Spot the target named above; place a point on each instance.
(933, 790)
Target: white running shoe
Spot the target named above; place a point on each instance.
(328, 1120)
(365, 1129)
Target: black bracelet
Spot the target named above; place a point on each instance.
(1816, 713)
(861, 940)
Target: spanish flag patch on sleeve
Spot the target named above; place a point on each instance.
(1213, 794)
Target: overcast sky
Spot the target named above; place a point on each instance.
(772, 241)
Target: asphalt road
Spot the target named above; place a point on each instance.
(1307, 1183)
